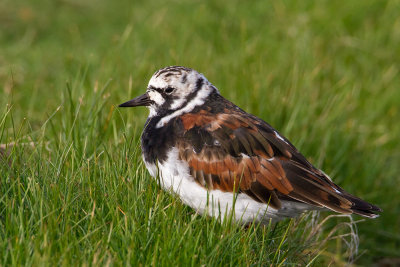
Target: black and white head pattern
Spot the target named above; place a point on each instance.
(176, 90)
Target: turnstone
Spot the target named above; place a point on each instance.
(219, 159)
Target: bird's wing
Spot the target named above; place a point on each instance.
(235, 151)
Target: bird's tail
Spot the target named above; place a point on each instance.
(362, 207)
(321, 192)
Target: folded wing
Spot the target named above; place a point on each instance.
(237, 152)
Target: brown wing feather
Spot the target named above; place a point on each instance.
(235, 151)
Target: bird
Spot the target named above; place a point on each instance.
(226, 163)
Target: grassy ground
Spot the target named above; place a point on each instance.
(73, 189)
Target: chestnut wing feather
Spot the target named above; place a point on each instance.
(237, 152)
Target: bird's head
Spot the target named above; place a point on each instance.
(173, 88)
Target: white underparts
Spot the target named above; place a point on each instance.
(175, 176)
(152, 168)
(198, 100)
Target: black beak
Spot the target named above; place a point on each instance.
(142, 100)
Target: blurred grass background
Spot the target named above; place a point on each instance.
(73, 189)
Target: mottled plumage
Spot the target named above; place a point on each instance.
(206, 150)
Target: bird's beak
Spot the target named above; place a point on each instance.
(143, 100)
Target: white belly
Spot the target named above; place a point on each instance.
(175, 176)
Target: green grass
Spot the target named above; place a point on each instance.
(73, 189)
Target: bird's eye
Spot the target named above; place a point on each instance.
(169, 90)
